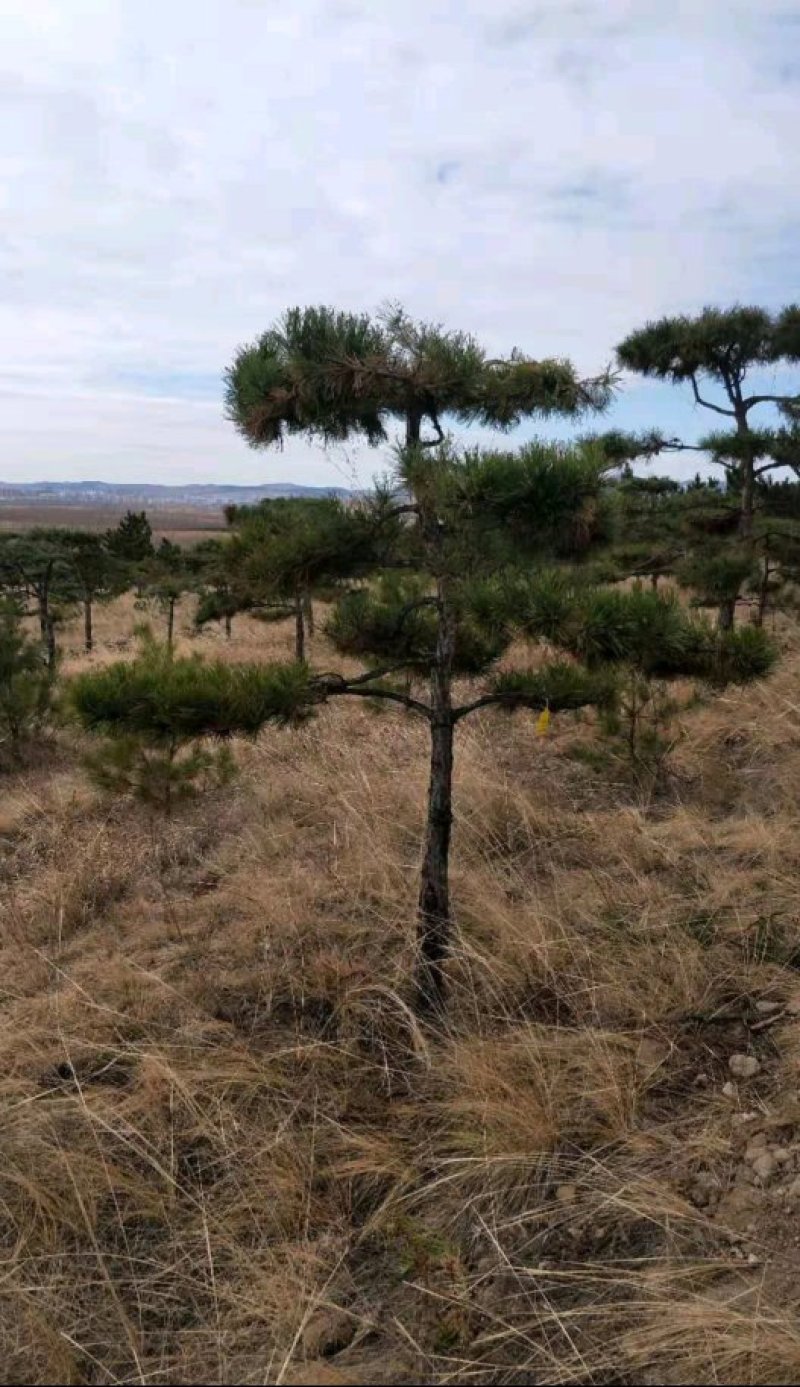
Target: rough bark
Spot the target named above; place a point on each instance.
(308, 609)
(434, 920)
(299, 629)
(747, 472)
(434, 924)
(727, 614)
(50, 642)
(763, 592)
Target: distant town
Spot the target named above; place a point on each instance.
(150, 495)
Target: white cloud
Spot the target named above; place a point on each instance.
(176, 175)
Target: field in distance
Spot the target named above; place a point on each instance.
(183, 525)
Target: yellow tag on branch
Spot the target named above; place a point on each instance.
(543, 723)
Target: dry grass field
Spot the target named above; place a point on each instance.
(229, 1153)
(183, 526)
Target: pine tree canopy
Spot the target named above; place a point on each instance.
(330, 374)
(722, 343)
(132, 538)
(282, 545)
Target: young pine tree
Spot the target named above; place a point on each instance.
(335, 376)
(160, 716)
(723, 348)
(163, 578)
(35, 571)
(97, 573)
(131, 540)
(221, 594)
(284, 552)
(26, 683)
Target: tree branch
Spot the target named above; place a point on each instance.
(707, 403)
(433, 442)
(771, 399)
(408, 508)
(362, 678)
(393, 695)
(508, 700)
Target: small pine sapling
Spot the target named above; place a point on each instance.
(161, 716)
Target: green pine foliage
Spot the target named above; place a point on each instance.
(717, 342)
(396, 622)
(158, 715)
(187, 698)
(558, 686)
(334, 375)
(132, 539)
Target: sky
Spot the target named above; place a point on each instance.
(546, 174)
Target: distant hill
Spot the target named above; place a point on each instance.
(150, 495)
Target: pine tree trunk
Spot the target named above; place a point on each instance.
(170, 622)
(228, 625)
(434, 922)
(763, 593)
(299, 629)
(654, 581)
(748, 498)
(434, 925)
(727, 613)
(308, 608)
(50, 641)
(88, 634)
(747, 472)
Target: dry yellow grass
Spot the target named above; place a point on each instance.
(228, 1152)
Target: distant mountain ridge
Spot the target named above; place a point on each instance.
(154, 494)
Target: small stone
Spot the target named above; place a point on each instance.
(794, 1189)
(651, 1054)
(567, 1194)
(743, 1066)
(752, 1259)
(736, 1209)
(782, 1156)
(729, 1090)
(765, 1007)
(701, 1080)
(793, 1006)
(756, 1147)
(765, 1165)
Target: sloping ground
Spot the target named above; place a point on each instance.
(229, 1154)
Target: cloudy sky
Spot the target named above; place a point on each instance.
(544, 173)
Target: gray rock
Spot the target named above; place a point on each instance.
(765, 1165)
(743, 1066)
